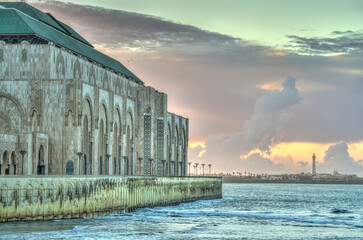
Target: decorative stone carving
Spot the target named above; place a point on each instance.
(10, 116)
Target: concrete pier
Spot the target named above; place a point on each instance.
(60, 197)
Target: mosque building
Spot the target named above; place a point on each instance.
(66, 108)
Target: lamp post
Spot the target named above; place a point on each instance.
(203, 168)
(125, 165)
(151, 162)
(172, 164)
(196, 167)
(22, 152)
(181, 171)
(189, 163)
(163, 161)
(107, 166)
(79, 154)
(210, 167)
(140, 159)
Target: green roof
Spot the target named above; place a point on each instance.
(13, 21)
(46, 18)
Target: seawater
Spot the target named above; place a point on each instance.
(247, 211)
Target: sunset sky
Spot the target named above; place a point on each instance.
(265, 84)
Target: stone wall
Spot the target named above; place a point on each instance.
(63, 103)
(60, 197)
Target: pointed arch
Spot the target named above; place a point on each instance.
(85, 145)
(118, 118)
(101, 148)
(88, 126)
(105, 84)
(88, 110)
(5, 163)
(24, 55)
(115, 165)
(34, 120)
(116, 149)
(60, 66)
(104, 114)
(69, 118)
(92, 75)
(103, 134)
(168, 151)
(176, 152)
(129, 143)
(11, 110)
(77, 74)
(118, 86)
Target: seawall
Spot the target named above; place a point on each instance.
(60, 197)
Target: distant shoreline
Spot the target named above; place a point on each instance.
(253, 180)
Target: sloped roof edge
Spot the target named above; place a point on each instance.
(21, 23)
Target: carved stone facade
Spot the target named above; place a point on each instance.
(55, 103)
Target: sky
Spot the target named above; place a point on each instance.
(265, 84)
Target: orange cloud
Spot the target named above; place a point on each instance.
(356, 150)
(270, 86)
(301, 151)
(192, 144)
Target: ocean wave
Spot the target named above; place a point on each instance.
(337, 210)
(314, 218)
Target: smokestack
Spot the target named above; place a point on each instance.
(314, 165)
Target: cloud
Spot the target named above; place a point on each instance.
(304, 166)
(139, 32)
(216, 80)
(255, 163)
(259, 133)
(262, 128)
(338, 158)
(340, 42)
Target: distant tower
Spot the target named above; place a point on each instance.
(314, 164)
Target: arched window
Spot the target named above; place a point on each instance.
(101, 146)
(127, 165)
(6, 163)
(176, 152)
(86, 144)
(129, 145)
(168, 142)
(114, 166)
(115, 149)
(41, 163)
(85, 164)
(24, 55)
(70, 167)
(100, 164)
